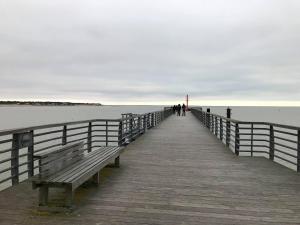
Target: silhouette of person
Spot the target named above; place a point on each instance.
(183, 109)
(178, 110)
(174, 109)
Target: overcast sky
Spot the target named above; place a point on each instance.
(144, 52)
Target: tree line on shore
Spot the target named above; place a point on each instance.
(46, 103)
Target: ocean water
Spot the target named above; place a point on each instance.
(23, 116)
(282, 115)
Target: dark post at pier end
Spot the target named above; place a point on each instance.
(228, 113)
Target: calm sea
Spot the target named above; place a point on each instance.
(23, 116)
(283, 115)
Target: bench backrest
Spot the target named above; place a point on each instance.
(52, 161)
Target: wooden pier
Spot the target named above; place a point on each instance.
(176, 173)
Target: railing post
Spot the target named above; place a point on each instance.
(89, 141)
(127, 124)
(30, 165)
(208, 118)
(200, 115)
(221, 129)
(228, 127)
(298, 151)
(153, 116)
(271, 147)
(212, 123)
(64, 135)
(159, 117)
(152, 120)
(237, 140)
(19, 141)
(145, 122)
(251, 139)
(139, 124)
(120, 134)
(15, 159)
(130, 128)
(106, 133)
(216, 126)
(125, 117)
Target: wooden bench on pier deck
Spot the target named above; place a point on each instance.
(68, 167)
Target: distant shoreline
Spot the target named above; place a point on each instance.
(46, 103)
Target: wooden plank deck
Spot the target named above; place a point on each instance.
(177, 173)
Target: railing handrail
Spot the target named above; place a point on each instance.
(45, 126)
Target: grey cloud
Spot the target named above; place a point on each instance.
(150, 50)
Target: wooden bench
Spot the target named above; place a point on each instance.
(68, 167)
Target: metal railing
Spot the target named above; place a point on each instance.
(278, 142)
(136, 124)
(17, 146)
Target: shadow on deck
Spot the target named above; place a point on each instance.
(177, 173)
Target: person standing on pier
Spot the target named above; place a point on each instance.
(174, 109)
(178, 110)
(183, 109)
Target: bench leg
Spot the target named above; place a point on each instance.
(43, 195)
(117, 162)
(96, 178)
(69, 196)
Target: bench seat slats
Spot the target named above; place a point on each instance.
(78, 180)
(74, 168)
(86, 164)
(96, 162)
